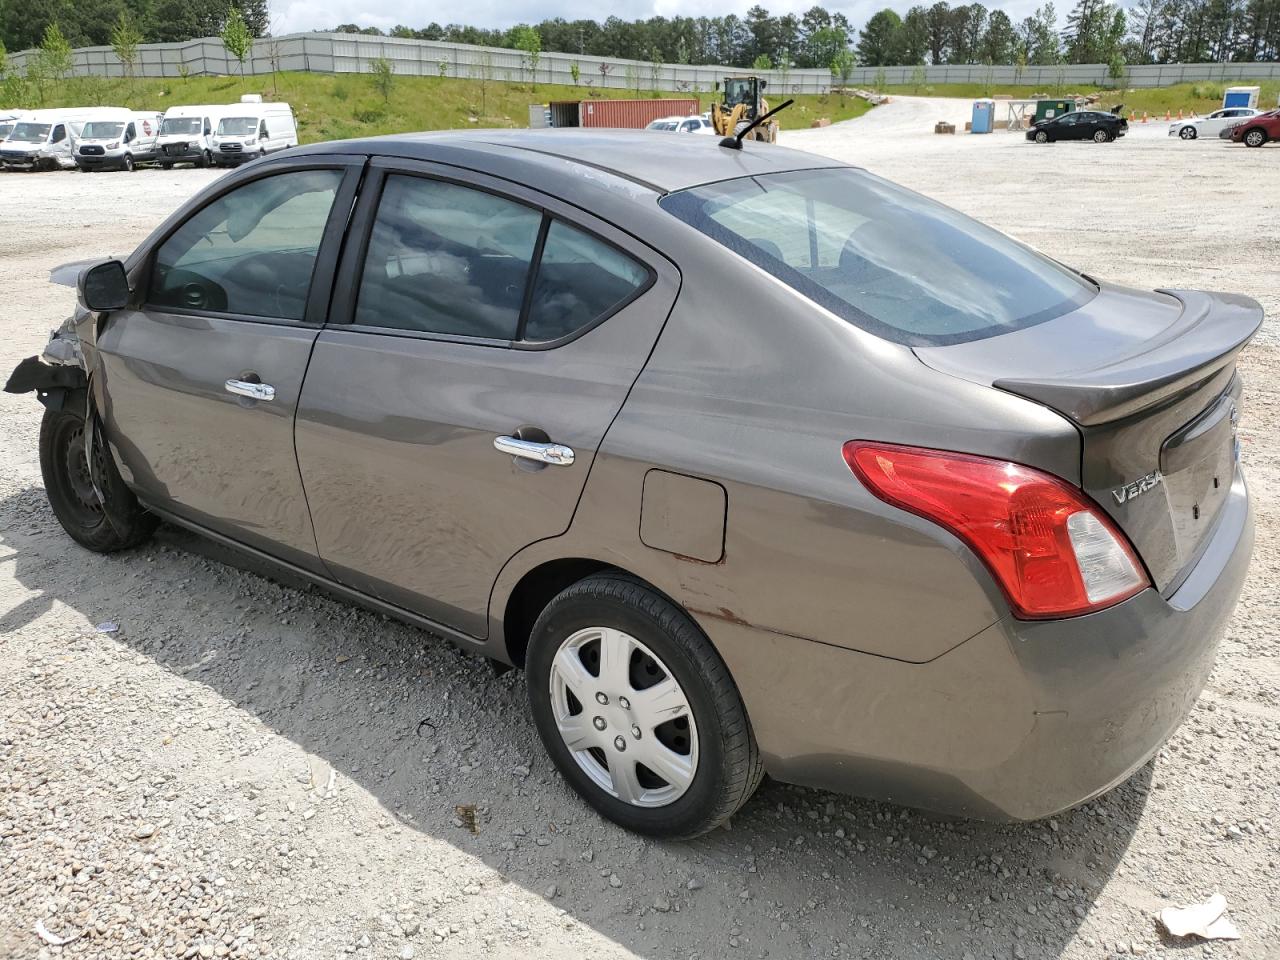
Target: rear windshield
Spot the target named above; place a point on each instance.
(888, 260)
(180, 125)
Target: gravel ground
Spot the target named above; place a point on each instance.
(248, 768)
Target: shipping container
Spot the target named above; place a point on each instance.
(632, 114)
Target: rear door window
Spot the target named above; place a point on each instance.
(444, 258)
(881, 257)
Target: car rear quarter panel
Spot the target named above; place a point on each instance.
(755, 388)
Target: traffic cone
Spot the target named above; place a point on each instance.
(1179, 113)
(1132, 118)
(1166, 115)
(1144, 116)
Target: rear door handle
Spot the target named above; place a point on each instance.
(254, 391)
(556, 454)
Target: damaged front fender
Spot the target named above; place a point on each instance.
(57, 385)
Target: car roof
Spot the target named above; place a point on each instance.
(660, 163)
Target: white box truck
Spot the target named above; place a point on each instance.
(118, 142)
(45, 139)
(186, 136)
(253, 130)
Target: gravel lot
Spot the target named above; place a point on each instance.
(248, 768)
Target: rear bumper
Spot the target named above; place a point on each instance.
(1017, 723)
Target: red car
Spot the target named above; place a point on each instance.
(1258, 130)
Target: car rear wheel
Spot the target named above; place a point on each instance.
(1187, 133)
(72, 483)
(1041, 137)
(1101, 136)
(1255, 138)
(638, 711)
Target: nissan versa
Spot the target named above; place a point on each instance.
(755, 463)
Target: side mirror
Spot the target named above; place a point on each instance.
(104, 286)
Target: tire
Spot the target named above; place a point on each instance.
(166, 166)
(1101, 136)
(70, 491)
(1188, 133)
(1255, 137)
(206, 159)
(1041, 137)
(129, 165)
(710, 744)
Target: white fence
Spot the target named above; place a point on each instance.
(353, 53)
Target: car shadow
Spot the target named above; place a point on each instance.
(426, 729)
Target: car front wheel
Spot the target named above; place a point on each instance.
(1255, 138)
(73, 482)
(1187, 133)
(1101, 136)
(1041, 137)
(638, 711)
(129, 165)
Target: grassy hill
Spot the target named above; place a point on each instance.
(339, 106)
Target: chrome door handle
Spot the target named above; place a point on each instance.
(556, 454)
(254, 391)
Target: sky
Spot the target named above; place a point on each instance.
(291, 16)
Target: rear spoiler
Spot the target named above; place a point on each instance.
(1210, 332)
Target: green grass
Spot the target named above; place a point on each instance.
(1200, 97)
(340, 106)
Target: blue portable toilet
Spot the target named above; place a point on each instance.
(1240, 97)
(984, 116)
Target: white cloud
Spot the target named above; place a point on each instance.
(291, 16)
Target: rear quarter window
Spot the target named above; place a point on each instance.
(881, 257)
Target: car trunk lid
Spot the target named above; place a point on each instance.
(1149, 380)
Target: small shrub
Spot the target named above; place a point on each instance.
(341, 89)
(1207, 91)
(369, 114)
(383, 76)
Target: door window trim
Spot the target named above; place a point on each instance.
(327, 253)
(355, 249)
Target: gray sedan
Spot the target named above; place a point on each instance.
(754, 462)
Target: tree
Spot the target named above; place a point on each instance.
(125, 38)
(880, 39)
(53, 61)
(913, 41)
(384, 76)
(529, 42)
(575, 71)
(938, 22)
(842, 65)
(236, 37)
(762, 62)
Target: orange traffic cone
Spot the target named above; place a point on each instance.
(1132, 118)
(1179, 113)
(1166, 115)
(1144, 116)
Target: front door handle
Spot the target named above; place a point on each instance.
(254, 391)
(556, 454)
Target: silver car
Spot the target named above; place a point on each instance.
(754, 462)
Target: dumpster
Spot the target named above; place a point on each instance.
(1048, 109)
(984, 112)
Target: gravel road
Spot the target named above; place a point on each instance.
(248, 768)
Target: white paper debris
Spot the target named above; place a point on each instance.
(107, 626)
(1208, 920)
(54, 941)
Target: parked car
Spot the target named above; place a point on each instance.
(1212, 125)
(682, 125)
(186, 135)
(251, 131)
(1080, 125)
(45, 139)
(1258, 130)
(117, 142)
(753, 461)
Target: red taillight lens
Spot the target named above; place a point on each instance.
(1053, 552)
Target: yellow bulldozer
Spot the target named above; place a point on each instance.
(743, 103)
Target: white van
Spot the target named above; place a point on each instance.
(253, 130)
(45, 139)
(186, 136)
(118, 142)
(7, 120)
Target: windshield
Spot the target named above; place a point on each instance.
(102, 130)
(238, 126)
(662, 125)
(180, 125)
(883, 258)
(30, 132)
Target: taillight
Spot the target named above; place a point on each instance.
(1053, 552)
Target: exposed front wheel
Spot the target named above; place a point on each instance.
(638, 711)
(1187, 133)
(129, 165)
(1041, 137)
(1255, 138)
(73, 482)
(206, 159)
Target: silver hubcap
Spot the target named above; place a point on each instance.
(1254, 138)
(624, 718)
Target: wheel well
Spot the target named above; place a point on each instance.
(534, 591)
